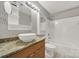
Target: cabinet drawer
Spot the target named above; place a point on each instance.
(27, 51)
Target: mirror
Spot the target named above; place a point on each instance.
(25, 15)
(20, 16)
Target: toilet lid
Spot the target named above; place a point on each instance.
(48, 45)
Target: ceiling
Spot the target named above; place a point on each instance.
(57, 6)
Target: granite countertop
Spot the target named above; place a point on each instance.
(15, 45)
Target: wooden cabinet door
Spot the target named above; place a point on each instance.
(31, 51)
(39, 53)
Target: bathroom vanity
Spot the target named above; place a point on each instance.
(18, 49)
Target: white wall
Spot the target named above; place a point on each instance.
(67, 37)
(67, 31)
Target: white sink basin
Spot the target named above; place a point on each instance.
(27, 37)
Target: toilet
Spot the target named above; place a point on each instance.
(49, 50)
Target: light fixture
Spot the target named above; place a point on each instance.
(7, 7)
(32, 6)
(56, 22)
